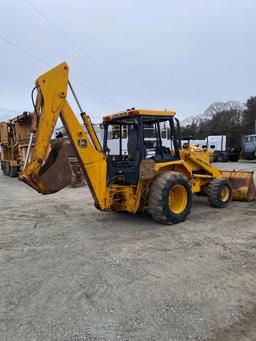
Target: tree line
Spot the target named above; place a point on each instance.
(231, 118)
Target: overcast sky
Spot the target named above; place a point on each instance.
(181, 55)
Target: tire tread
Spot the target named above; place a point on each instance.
(155, 202)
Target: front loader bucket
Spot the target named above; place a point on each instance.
(242, 184)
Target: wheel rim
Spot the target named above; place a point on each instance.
(178, 199)
(225, 193)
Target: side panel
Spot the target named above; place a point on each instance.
(4, 133)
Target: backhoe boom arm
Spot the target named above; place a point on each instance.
(52, 104)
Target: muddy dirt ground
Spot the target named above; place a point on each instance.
(69, 272)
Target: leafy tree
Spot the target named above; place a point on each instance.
(218, 119)
(189, 128)
(249, 116)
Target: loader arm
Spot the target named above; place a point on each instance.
(46, 176)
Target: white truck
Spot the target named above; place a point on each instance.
(249, 147)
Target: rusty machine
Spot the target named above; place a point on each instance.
(14, 142)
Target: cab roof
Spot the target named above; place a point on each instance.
(138, 112)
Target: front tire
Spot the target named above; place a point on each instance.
(219, 193)
(170, 198)
(234, 158)
(249, 156)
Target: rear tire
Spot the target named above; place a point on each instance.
(13, 172)
(223, 157)
(170, 198)
(7, 169)
(234, 158)
(219, 193)
(215, 157)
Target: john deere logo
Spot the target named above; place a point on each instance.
(82, 143)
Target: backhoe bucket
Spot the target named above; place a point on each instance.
(242, 184)
(55, 174)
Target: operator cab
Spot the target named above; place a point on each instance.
(135, 135)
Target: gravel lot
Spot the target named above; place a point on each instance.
(69, 272)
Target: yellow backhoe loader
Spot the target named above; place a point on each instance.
(130, 176)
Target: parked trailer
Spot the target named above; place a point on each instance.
(14, 140)
(221, 151)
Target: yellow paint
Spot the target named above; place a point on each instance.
(91, 131)
(224, 193)
(52, 104)
(178, 199)
(139, 112)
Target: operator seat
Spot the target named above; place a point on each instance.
(133, 145)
